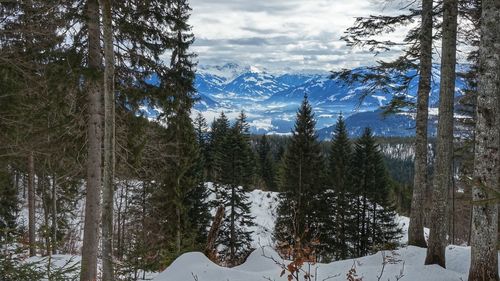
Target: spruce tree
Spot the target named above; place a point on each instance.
(182, 148)
(485, 192)
(8, 205)
(443, 174)
(219, 133)
(301, 183)
(374, 214)
(266, 164)
(339, 179)
(234, 162)
(197, 198)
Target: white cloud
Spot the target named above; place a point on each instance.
(281, 34)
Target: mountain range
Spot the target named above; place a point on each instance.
(271, 99)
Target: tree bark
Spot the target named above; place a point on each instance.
(31, 205)
(94, 150)
(416, 227)
(232, 241)
(484, 232)
(444, 156)
(54, 215)
(109, 144)
(210, 250)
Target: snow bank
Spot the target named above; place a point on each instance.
(408, 261)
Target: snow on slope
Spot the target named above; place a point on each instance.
(263, 207)
(259, 266)
(408, 261)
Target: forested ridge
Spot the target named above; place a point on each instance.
(86, 171)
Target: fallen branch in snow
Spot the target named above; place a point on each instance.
(295, 269)
(392, 260)
(352, 274)
(210, 250)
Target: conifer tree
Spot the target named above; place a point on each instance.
(443, 173)
(375, 216)
(235, 160)
(339, 180)
(266, 164)
(182, 149)
(8, 205)
(485, 192)
(300, 183)
(217, 139)
(94, 149)
(197, 199)
(415, 229)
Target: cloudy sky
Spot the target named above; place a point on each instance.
(281, 34)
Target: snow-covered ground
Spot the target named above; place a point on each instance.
(263, 207)
(407, 263)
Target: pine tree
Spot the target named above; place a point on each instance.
(301, 183)
(182, 148)
(217, 139)
(374, 215)
(109, 157)
(339, 179)
(202, 137)
(266, 164)
(235, 160)
(94, 149)
(444, 147)
(485, 192)
(197, 199)
(8, 205)
(415, 229)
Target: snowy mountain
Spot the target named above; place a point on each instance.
(271, 99)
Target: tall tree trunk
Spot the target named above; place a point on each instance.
(109, 144)
(54, 215)
(94, 150)
(44, 183)
(416, 227)
(31, 204)
(178, 230)
(119, 226)
(484, 233)
(443, 173)
(232, 226)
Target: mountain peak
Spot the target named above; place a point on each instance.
(255, 69)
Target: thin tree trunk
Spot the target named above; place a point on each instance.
(54, 215)
(443, 173)
(109, 145)
(94, 158)
(44, 183)
(23, 178)
(31, 204)
(16, 181)
(416, 227)
(118, 226)
(178, 231)
(484, 232)
(124, 220)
